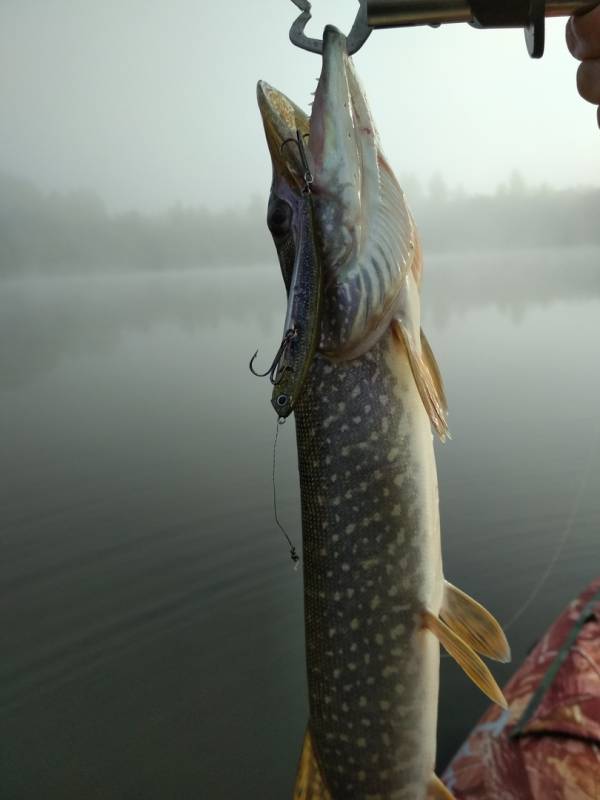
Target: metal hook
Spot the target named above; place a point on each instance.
(299, 140)
(279, 355)
(358, 35)
(308, 177)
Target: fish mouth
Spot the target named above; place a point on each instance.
(364, 231)
(282, 119)
(332, 130)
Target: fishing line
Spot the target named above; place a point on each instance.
(583, 484)
(293, 554)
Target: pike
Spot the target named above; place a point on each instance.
(365, 394)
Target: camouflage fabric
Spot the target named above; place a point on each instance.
(554, 701)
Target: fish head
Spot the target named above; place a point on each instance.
(363, 230)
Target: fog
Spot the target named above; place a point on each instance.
(46, 320)
(153, 104)
(55, 233)
(141, 562)
(153, 624)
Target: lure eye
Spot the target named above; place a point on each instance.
(279, 219)
(282, 405)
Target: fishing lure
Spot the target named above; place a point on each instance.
(292, 361)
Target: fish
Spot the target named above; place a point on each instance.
(376, 601)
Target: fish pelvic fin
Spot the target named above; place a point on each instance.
(465, 658)
(474, 624)
(426, 374)
(310, 784)
(436, 790)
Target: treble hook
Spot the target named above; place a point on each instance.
(358, 35)
(308, 177)
(273, 369)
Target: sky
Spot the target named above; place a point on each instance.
(152, 103)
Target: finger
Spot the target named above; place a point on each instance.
(588, 80)
(583, 35)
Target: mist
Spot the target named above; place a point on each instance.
(153, 624)
(52, 233)
(154, 104)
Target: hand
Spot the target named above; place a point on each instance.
(583, 40)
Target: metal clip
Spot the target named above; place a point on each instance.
(358, 35)
(307, 176)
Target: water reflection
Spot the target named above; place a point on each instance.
(44, 321)
(511, 281)
(153, 633)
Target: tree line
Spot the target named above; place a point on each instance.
(74, 232)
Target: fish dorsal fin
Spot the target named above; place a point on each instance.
(474, 624)
(465, 657)
(436, 790)
(309, 781)
(406, 326)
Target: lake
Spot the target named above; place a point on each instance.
(152, 631)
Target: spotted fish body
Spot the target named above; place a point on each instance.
(371, 564)
(376, 602)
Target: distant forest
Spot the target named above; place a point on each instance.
(41, 232)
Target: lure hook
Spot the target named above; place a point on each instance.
(279, 356)
(358, 35)
(308, 177)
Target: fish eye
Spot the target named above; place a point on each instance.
(282, 400)
(279, 218)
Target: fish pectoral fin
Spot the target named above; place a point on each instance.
(474, 624)
(434, 372)
(310, 784)
(465, 657)
(436, 790)
(427, 377)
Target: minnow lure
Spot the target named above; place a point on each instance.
(305, 293)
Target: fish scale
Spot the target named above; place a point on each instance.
(369, 546)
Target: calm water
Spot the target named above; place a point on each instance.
(152, 634)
